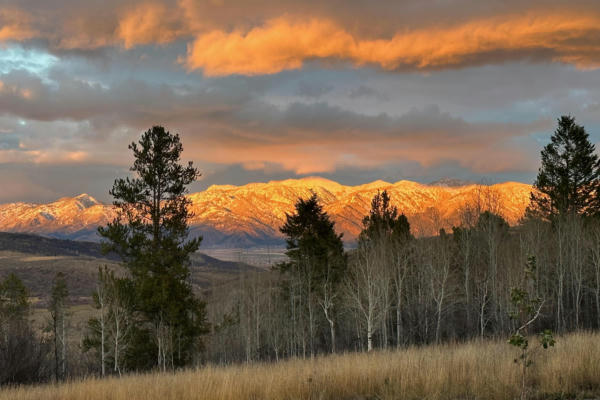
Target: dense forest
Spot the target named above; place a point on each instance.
(392, 290)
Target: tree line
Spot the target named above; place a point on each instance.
(395, 290)
(392, 290)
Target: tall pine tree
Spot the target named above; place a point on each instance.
(150, 234)
(317, 263)
(568, 179)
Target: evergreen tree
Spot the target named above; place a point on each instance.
(383, 221)
(21, 355)
(150, 234)
(317, 262)
(568, 179)
(14, 304)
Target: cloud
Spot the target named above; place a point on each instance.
(286, 43)
(46, 156)
(236, 37)
(15, 25)
(289, 95)
(279, 45)
(363, 91)
(152, 23)
(229, 125)
(312, 89)
(8, 141)
(316, 138)
(28, 182)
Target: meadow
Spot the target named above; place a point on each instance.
(475, 370)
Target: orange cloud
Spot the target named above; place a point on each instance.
(15, 25)
(144, 23)
(281, 44)
(329, 155)
(51, 156)
(286, 43)
(150, 23)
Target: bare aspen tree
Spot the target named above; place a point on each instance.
(120, 318)
(108, 333)
(562, 262)
(439, 263)
(401, 263)
(256, 309)
(364, 289)
(58, 324)
(100, 298)
(250, 313)
(327, 299)
(577, 267)
(493, 231)
(277, 320)
(385, 282)
(244, 312)
(467, 248)
(310, 302)
(483, 300)
(594, 246)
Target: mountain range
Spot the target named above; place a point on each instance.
(250, 215)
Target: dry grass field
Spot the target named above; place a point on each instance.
(477, 370)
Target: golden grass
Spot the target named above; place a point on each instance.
(44, 258)
(477, 370)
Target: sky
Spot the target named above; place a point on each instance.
(259, 90)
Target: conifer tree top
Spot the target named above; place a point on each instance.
(567, 181)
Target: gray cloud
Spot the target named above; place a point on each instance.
(312, 90)
(9, 141)
(244, 126)
(32, 183)
(363, 91)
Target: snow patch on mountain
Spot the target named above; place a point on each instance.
(250, 215)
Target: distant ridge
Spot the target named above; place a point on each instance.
(250, 215)
(451, 182)
(39, 245)
(36, 260)
(47, 246)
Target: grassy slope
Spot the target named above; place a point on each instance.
(36, 260)
(478, 370)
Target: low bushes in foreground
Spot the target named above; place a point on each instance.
(476, 370)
